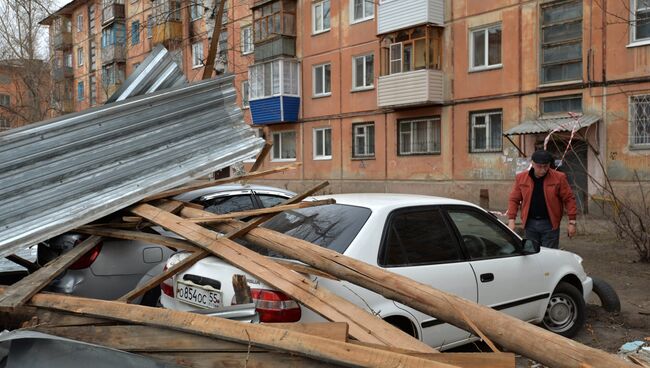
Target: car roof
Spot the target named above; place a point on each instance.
(375, 201)
(189, 196)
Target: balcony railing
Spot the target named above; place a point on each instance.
(113, 54)
(62, 41)
(61, 72)
(395, 15)
(420, 87)
(112, 12)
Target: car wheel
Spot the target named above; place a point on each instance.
(607, 295)
(565, 312)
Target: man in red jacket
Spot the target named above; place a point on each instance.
(543, 194)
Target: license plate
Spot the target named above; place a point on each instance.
(197, 295)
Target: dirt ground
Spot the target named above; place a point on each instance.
(615, 261)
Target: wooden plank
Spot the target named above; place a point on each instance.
(138, 235)
(329, 330)
(260, 211)
(261, 156)
(363, 326)
(256, 334)
(30, 266)
(18, 293)
(246, 360)
(252, 175)
(510, 333)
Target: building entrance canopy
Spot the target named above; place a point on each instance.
(547, 125)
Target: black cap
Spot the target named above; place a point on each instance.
(542, 157)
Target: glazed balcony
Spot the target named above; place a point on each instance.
(113, 54)
(399, 14)
(62, 40)
(167, 32)
(112, 12)
(60, 73)
(274, 91)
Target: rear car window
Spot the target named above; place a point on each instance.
(331, 226)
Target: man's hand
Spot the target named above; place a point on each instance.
(571, 230)
(511, 224)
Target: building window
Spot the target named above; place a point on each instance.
(273, 19)
(112, 74)
(412, 49)
(67, 59)
(114, 34)
(80, 22)
(167, 11)
(322, 80)
(221, 61)
(274, 78)
(284, 146)
(80, 56)
(246, 40)
(91, 19)
(560, 105)
(561, 42)
(135, 32)
(485, 48)
(80, 91)
(92, 91)
(363, 140)
(5, 100)
(150, 22)
(485, 131)
(320, 16)
(362, 10)
(196, 9)
(639, 20)
(322, 143)
(363, 74)
(244, 95)
(4, 124)
(93, 55)
(640, 121)
(419, 136)
(197, 55)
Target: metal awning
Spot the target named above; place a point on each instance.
(546, 125)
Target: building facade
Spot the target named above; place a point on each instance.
(422, 96)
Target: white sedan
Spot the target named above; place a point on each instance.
(451, 245)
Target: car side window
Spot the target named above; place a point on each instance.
(269, 200)
(418, 237)
(227, 204)
(483, 238)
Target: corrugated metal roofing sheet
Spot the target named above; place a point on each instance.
(545, 125)
(65, 172)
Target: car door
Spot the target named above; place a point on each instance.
(418, 243)
(507, 280)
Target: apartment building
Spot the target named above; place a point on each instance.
(422, 96)
(24, 88)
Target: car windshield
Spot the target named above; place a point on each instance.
(331, 226)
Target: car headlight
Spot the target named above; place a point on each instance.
(176, 258)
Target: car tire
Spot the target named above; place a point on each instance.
(608, 297)
(565, 312)
(151, 297)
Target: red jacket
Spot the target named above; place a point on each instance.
(557, 192)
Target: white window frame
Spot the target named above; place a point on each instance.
(316, 12)
(80, 22)
(321, 74)
(391, 60)
(245, 95)
(322, 144)
(633, 15)
(486, 48)
(5, 100)
(196, 9)
(365, 71)
(365, 16)
(366, 145)
(277, 143)
(285, 74)
(430, 133)
(80, 56)
(247, 46)
(488, 131)
(197, 55)
(632, 123)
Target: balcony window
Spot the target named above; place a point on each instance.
(113, 74)
(320, 16)
(322, 143)
(284, 146)
(561, 105)
(419, 136)
(274, 78)
(322, 80)
(107, 3)
(196, 9)
(485, 48)
(640, 121)
(363, 74)
(80, 56)
(485, 132)
(67, 60)
(561, 42)
(135, 32)
(639, 20)
(362, 10)
(246, 40)
(197, 55)
(167, 11)
(115, 34)
(412, 49)
(273, 19)
(363, 140)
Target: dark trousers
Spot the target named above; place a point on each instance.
(542, 231)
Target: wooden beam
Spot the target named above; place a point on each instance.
(260, 335)
(363, 326)
(190, 187)
(208, 69)
(18, 293)
(261, 156)
(30, 266)
(260, 211)
(511, 333)
(138, 235)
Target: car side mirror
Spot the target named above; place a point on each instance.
(529, 246)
